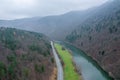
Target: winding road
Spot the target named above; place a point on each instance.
(58, 63)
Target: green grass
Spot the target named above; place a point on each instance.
(69, 69)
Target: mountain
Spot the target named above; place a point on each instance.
(99, 37)
(25, 55)
(56, 27)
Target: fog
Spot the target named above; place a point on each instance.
(13, 9)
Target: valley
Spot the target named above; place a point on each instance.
(78, 45)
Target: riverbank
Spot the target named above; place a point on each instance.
(70, 72)
(78, 52)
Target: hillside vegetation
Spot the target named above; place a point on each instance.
(24, 55)
(99, 37)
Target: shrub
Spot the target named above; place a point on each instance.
(12, 65)
(26, 72)
(48, 45)
(101, 53)
(2, 70)
(81, 43)
(110, 30)
(52, 60)
(24, 57)
(90, 38)
(48, 52)
(63, 48)
(11, 70)
(34, 47)
(11, 58)
(113, 29)
(39, 69)
(42, 68)
(44, 54)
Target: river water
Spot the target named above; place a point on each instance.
(89, 69)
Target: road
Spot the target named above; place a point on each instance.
(58, 63)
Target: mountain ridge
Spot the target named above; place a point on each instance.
(99, 37)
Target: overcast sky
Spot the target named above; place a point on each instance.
(13, 9)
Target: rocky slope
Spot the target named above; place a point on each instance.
(25, 55)
(99, 37)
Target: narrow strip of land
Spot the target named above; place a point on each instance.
(58, 63)
(69, 68)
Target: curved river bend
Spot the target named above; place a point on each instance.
(90, 70)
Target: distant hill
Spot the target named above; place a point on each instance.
(99, 37)
(24, 55)
(56, 27)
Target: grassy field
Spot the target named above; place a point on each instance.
(69, 69)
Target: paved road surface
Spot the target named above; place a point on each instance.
(58, 63)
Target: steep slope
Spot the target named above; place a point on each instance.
(99, 37)
(25, 55)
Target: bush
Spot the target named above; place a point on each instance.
(12, 65)
(42, 68)
(44, 54)
(113, 29)
(26, 72)
(101, 53)
(81, 43)
(90, 38)
(24, 57)
(11, 58)
(11, 70)
(39, 69)
(11, 45)
(34, 47)
(2, 70)
(52, 60)
(63, 48)
(48, 52)
(110, 30)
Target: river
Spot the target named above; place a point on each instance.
(89, 69)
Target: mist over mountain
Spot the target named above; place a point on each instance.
(56, 27)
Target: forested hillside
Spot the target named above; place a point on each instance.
(25, 55)
(99, 37)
